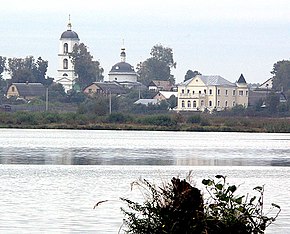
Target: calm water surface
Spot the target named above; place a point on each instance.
(50, 180)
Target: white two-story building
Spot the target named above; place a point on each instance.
(211, 93)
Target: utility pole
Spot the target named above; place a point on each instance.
(110, 102)
(46, 99)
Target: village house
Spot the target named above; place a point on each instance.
(210, 93)
(160, 85)
(26, 90)
(164, 95)
(104, 88)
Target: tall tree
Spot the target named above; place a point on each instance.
(2, 65)
(190, 74)
(86, 68)
(158, 66)
(26, 69)
(281, 75)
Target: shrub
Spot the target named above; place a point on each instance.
(179, 207)
(194, 119)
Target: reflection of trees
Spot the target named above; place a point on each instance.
(85, 156)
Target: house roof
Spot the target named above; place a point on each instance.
(123, 67)
(168, 94)
(110, 87)
(30, 89)
(164, 84)
(241, 80)
(146, 101)
(211, 81)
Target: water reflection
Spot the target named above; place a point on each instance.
(109, 156)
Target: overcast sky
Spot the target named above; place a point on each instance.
(215, 37)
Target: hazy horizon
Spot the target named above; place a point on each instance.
(216, 38)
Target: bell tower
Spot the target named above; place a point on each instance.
(65, 72)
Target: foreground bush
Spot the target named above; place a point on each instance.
(179, 208)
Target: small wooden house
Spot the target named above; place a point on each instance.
(27, 90)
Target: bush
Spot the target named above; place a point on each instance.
(179, 207)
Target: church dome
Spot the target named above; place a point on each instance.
(122, 67)
(69, 34)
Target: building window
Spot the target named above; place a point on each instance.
(64, 74)
(234, 103)
(188, 104)
(218, 103)
(65, 64)
(210, 103)
(246, 93)
(241, 93)
(188, 91)
(90, 90)
(219, 92)
(192, 91)
(226, 104)
(226, 92)
(234, 92)
(116, 78)
(210, 91)
(182, 91)
(65, 48)
(194, 104)
(204, 91)
(202, 103)
(182, 103)
(13, 89)
(199, 92)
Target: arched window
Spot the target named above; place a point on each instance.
(64, 74)
(182, 103)
(202, 103)
(226, 103)
(188, 104)
(210, 103)
(65, 48)
(218, 103)
(65, 64)
(194, 104)
(234, 103)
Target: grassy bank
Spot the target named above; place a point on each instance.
(161, 122)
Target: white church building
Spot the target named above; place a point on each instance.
(123, 72)
(65, 72)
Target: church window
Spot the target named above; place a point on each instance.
(65, 48)
(219, 92)
(210, 103)
(182, 103)
(65, 64)
(246, 93)
(13, 89)
(241, 93)
(64, 74)
(226, 92)
(199, 92)
(188, 91)
(204, 91)
(188, 104)
(194, 104)
(226, 103)
(192, 91)
(202, 103)
(234, 92)
(182, 91)
(218, 103)
(234, 103)
(116, 78)
(210, 91)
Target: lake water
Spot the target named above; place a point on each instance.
(50, 180)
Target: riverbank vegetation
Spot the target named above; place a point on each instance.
(179, 207)
(165, 122)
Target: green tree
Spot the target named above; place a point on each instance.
(2, 65)
(26, 69)
(158, 66)
(86, 68)
(190, 74)
(281, 75)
